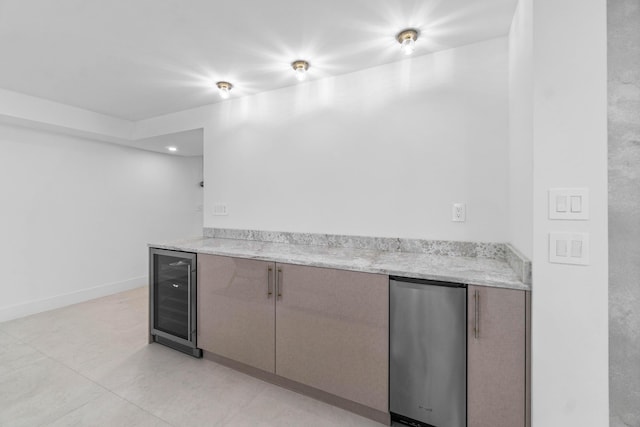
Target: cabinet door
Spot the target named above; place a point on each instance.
(496, 357)
(332, 332)
(236, 317)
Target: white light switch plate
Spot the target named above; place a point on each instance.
(569, 248)
(220, 209)
(569, 203)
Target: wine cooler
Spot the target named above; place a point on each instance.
(172, 309)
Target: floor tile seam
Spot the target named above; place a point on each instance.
(3, 330)
(70, 411)
(56, 361)
(27, 366)
(226, 420)
(108, 390)
(118, 396)
(139, 407)
(31, 347)
(229, 418)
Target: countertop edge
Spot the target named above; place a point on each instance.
(186, 247)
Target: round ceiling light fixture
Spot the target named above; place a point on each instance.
(225, 89)
(407, 39)
(300, 67)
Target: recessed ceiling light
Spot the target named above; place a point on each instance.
(225, 89)
(172, 149)
(300, 67)
(407, 39)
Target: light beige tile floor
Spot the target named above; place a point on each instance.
(90, 365)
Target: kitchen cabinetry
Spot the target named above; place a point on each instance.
(236, 309)
(496, 357)
(323, 328)
(332, 332)
(328, 330)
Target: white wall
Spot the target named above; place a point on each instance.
(384, 151)
(33, 111)
(521, 129)
(569, 313)
(76, 215)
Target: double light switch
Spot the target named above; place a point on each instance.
(569, 204)
(569, 248)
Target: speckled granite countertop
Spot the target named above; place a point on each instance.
(468, 270)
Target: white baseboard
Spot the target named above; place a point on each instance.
(46, 304)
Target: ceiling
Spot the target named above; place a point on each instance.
(187, 143)
(136, 59)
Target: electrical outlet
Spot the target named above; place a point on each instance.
(459, 212)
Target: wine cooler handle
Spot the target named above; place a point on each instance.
(190, 332)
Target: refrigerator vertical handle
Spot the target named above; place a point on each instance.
(269, 283)
(476, 327)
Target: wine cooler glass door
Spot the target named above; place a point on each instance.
(172, 295)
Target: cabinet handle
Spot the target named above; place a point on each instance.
(476, 327)
(269, 284)
(279, 282)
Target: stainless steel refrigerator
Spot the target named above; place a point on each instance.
(428, 353)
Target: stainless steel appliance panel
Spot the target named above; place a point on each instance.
(428, 352)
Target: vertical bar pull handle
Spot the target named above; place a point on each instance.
(476, 327)
(190, 333)
(279, 282)
(269, 282)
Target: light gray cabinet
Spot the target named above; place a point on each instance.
(236, 309)
(323, 328)
(496, 357)
(332, 332)
(329, 329)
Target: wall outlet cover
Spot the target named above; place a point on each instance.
(459, 212)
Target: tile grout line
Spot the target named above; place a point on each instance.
(15, 337)
(225, 421)
(70, 411)
(108, 390)
(47, 356)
